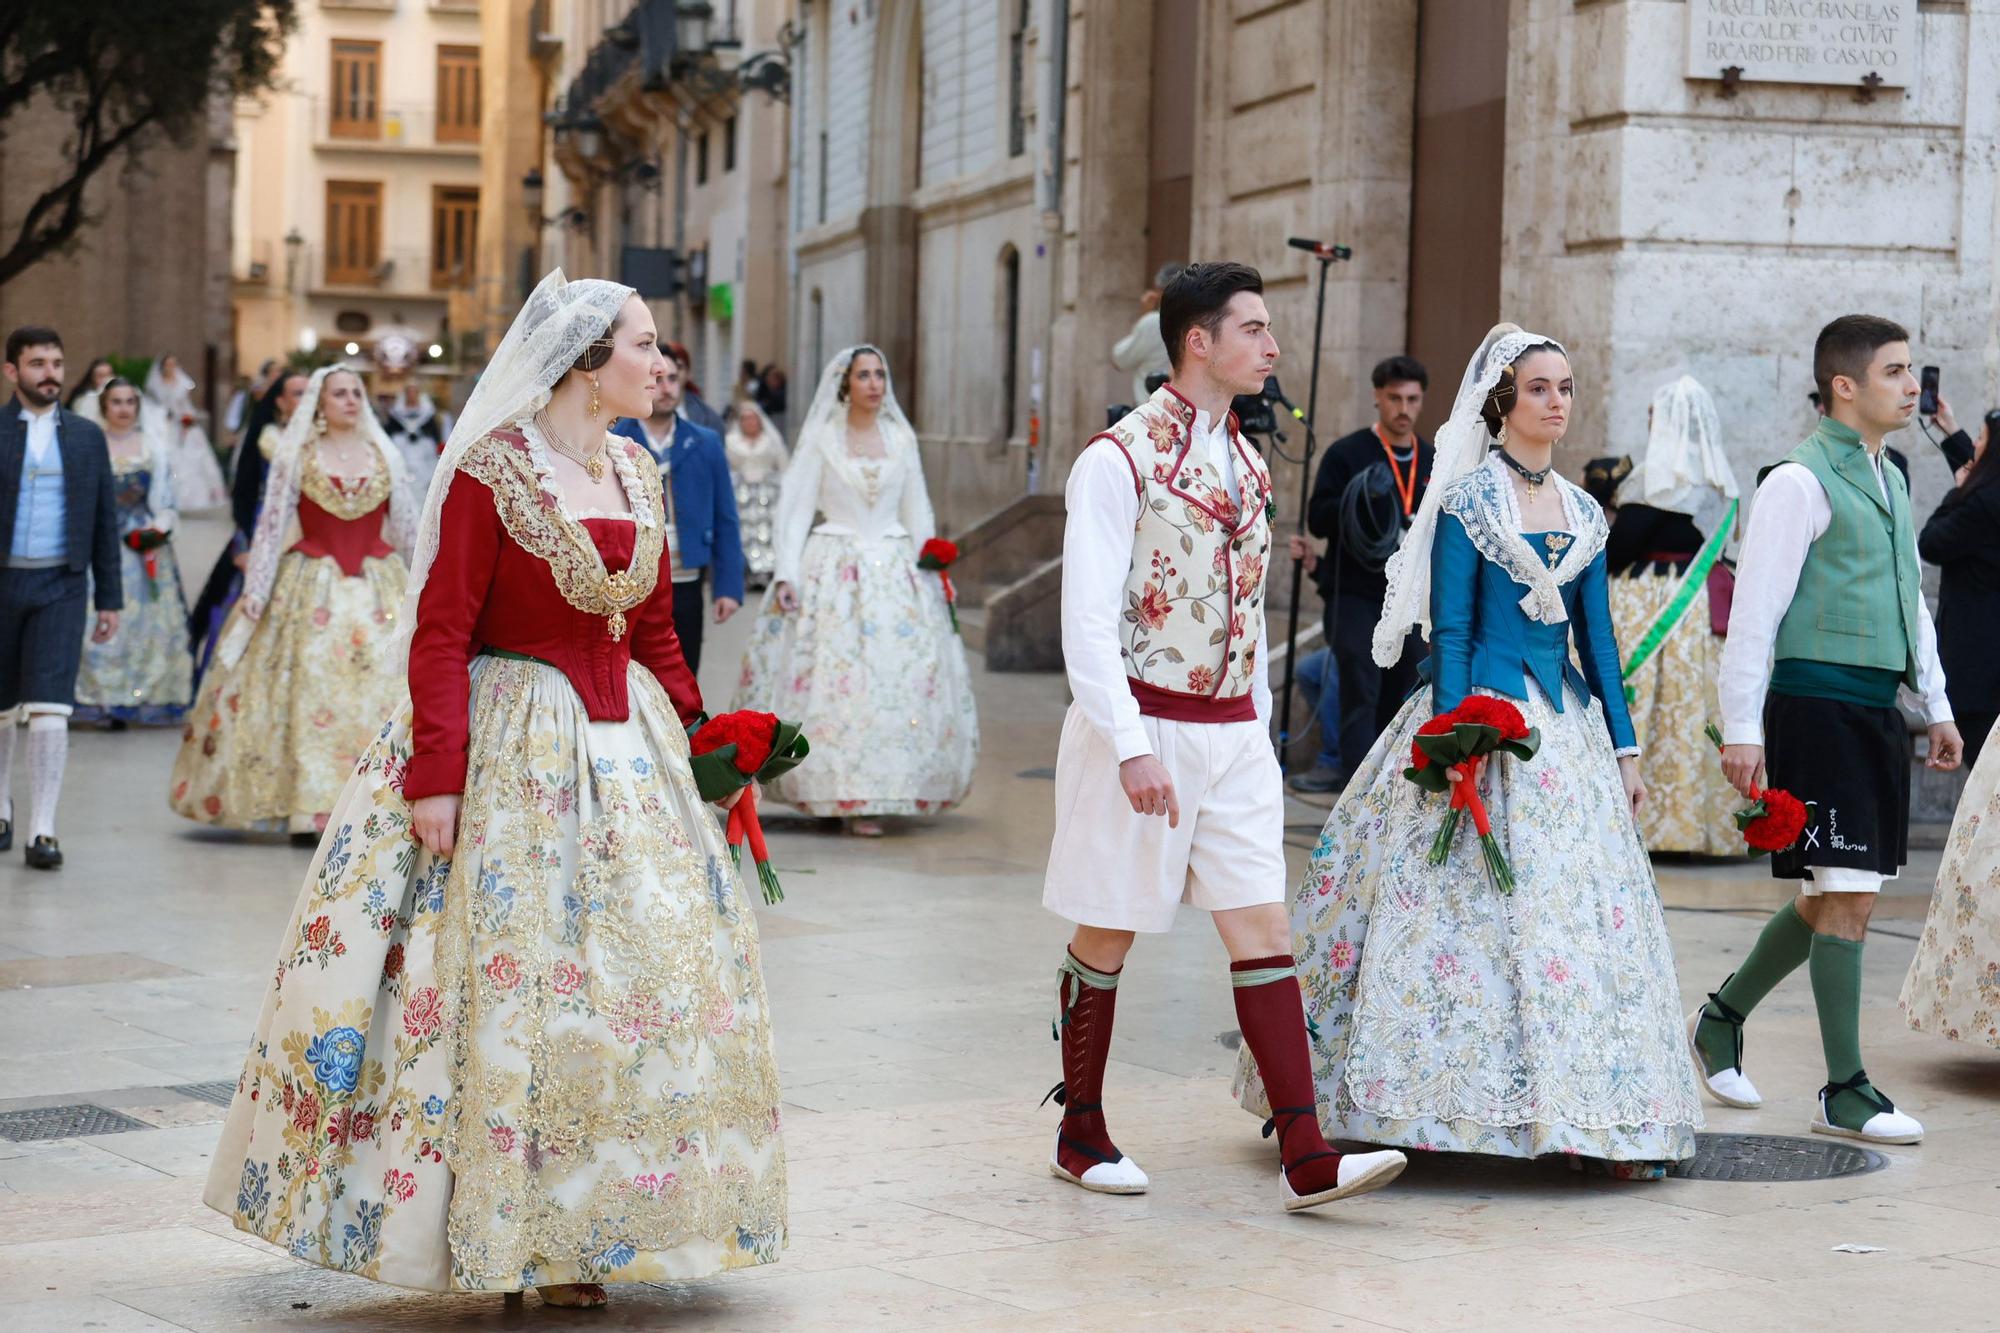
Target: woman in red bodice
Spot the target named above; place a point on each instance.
(518, 1034)
(300, 683)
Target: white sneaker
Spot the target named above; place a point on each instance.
(1882, 1127)
(1730, 1086)
(1120, 1177)
(1359, 1173)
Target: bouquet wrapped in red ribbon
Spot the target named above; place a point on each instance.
(1774, 819)
(938, 556)
(733, 752)
(1461, 741)
(147, 542)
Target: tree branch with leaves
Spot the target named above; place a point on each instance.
(121, 74)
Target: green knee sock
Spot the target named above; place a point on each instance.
(1836, 983)
(1783, 945)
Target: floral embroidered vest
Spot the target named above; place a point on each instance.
(1194, 597)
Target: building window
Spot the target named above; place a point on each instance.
(1010, 344)
(357, 83)
(458, 94)
(353, 233)
(454, 235)
(1017, 77)
(729, 144)
(701, 159)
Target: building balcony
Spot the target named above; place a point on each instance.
(401, 275)
(411, 128)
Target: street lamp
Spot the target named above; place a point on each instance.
(590, 137)
(691, 22)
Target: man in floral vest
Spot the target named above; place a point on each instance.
(1828, 624)
(1167, 790)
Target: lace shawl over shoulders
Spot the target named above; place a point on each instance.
(1484, 504)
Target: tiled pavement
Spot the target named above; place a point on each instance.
(912, 982)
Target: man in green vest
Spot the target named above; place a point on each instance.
(1828, 624)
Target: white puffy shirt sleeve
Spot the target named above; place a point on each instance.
(792, 518)
(1789, 512)
(914, 511)
(1103, 505)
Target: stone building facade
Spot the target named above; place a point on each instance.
(1545, 161)
(149, 273)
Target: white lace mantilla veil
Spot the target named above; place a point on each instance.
(281, 487)
(826, 418)
(1461, 446)
(1684, 468)
(556, 323)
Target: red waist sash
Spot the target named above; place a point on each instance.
(1156, 702)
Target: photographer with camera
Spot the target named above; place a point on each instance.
(1368, 485)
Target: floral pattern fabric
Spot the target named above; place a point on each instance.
(1688, 806)
(146, 673)
(1953, 986)
(274, 737)
(545, 1060)
(1453, 1017)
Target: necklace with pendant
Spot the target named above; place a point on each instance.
(592, 462)
(1533, 478)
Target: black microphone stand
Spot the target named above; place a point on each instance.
(1326, 255)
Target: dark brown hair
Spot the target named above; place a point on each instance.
(1846, 346)
(598, 351)
(31, 335)
(1197, 298)
(1500, 398)
(847, 376)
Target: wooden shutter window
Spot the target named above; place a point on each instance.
(353, 232)
(458, 94)
(454, 235)
(357, 83)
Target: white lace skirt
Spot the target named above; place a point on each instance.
(1953, 987)
(870, 666)
(1450, 1016)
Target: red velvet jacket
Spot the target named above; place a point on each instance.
(485, 591)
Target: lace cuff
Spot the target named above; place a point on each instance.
(1626, 752)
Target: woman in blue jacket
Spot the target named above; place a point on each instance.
(1452, 1016)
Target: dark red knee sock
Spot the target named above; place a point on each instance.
(1086, 1000)
(1272, 1013)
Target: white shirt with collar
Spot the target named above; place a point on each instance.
(1791, 512)
(41, 441)
(1097, 558)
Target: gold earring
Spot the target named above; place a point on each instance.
(595, 405)
(1500, 440)
(319, 424)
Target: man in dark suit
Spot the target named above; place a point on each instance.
(1368, 486)
(58, 532)
(703, 534)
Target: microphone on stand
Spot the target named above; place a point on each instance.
(1271, 393)
(1320, 249)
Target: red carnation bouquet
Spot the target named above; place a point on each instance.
(938, 556)
(1461, 740)
(1774, 819)
(147, 542)
(734, 752)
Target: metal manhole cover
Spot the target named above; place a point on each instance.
(64, 1122)
(221, 1092)
(1044, 774)
(1233, 1039)
(1774, 1157)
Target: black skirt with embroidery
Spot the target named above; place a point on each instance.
(1851, 764)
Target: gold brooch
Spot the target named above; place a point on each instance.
(621, 592)
(1558, 542)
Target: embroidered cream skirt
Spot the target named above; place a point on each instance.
(1688, 806)
(1452, 1017)
(272, 739)
(545, 1060)
(1953, 987)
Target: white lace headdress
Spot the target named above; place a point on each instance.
(281, 487)
(1683, 468)
(557, 322)
(826, 418)
(1461, 445)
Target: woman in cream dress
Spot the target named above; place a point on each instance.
(198, 473)
(757, 458)
(854, 641)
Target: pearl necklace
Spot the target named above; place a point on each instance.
(592, 462)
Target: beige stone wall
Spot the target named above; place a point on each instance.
(146, 273)
(1659, 227)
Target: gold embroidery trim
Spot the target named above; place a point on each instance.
(542, 529)
(330, 495)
